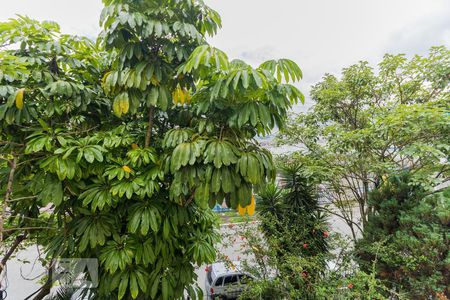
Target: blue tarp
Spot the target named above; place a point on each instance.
(218, 208)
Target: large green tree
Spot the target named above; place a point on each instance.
(407, 238)
(114, 150)
(369, 123)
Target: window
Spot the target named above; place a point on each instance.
(230, 280)
(219, 281)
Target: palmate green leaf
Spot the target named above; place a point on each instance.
(98, 195)
(125, 187)
(52, 191)
(145, 253)
(116, 172)
(92, 231)
(91, 153)
(240, 196)
(224, 179)
(202, 195)
(186, 153)
(143, 218)
(201, 251)
(220, 153)
(152, 97)
(174, 137)
(142, 156)
(283, 67)
(64, 168)
(207, 57)
(117, 255)
(38, 143)
(147, 185)
(251, 167)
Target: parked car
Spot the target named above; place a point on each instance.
(225, 280)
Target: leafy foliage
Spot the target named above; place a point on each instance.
(125, 143)
(370, 123)
(295, 229)
(412, 228)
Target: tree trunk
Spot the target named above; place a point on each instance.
(11, 250)
(148, 136)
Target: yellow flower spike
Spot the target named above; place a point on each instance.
(126, 169)
(19, 99)
(241, 210)
(134, 146)
(251, 207)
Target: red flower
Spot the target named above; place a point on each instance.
(326, 234)
(206, 270)
(305, 245)
(304, 274)
(242, 238)
(350, 285)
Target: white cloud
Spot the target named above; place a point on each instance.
(322, 36)
(75, 17)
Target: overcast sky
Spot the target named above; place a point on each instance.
(322, 36)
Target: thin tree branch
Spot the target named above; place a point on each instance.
(11, 250)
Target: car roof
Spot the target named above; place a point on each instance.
(225, 268)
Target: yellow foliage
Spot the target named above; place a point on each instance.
(124, 105)
(19, 98)
(241, 210)
(126, 169)
(121, 105)
(116, 108)
(251, 207)
(181, 96)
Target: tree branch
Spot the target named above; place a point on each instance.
(11, 250)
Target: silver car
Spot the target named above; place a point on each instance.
(225, 280)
